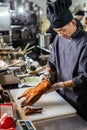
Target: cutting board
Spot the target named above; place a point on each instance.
(52, 103)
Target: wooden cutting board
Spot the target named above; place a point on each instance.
(52, 103)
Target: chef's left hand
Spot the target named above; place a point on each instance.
(45, 75)
(55, 86)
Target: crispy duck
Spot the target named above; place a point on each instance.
(31, 110)
(33, 94)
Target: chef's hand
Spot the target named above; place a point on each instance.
(61, 85)
(45, 75)
(55, 86)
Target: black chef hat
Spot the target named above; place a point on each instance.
(58, 13)
(80, 12)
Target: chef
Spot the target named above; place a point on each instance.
(79, 15)
(68, 58)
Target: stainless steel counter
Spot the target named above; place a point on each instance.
(67, 123)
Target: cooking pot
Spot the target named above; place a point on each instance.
(14, 4)
(44, 40)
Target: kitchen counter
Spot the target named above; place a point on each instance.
(72, 122)
(67, 123)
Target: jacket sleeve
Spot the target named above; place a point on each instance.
(52, 59)
(82, 68)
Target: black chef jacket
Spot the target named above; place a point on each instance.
(69, 59)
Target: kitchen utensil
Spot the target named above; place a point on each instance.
(30, 48)
(26, 47)
(6, 67)
(44, 40)
(8, 79)
(28, 52)
(32, 72)
(2, 64)
(37, 70)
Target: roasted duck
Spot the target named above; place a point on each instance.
(32, 110)
(33, 94)
(25, 93)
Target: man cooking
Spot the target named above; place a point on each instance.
(68, 58)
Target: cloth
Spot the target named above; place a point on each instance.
(69, 59)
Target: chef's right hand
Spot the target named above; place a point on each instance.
(45, 75)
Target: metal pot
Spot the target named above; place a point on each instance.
(25, 33)
(44, 40)
(14, 4)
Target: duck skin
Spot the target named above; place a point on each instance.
(31, 110)
(25, 93)
(33, 94)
